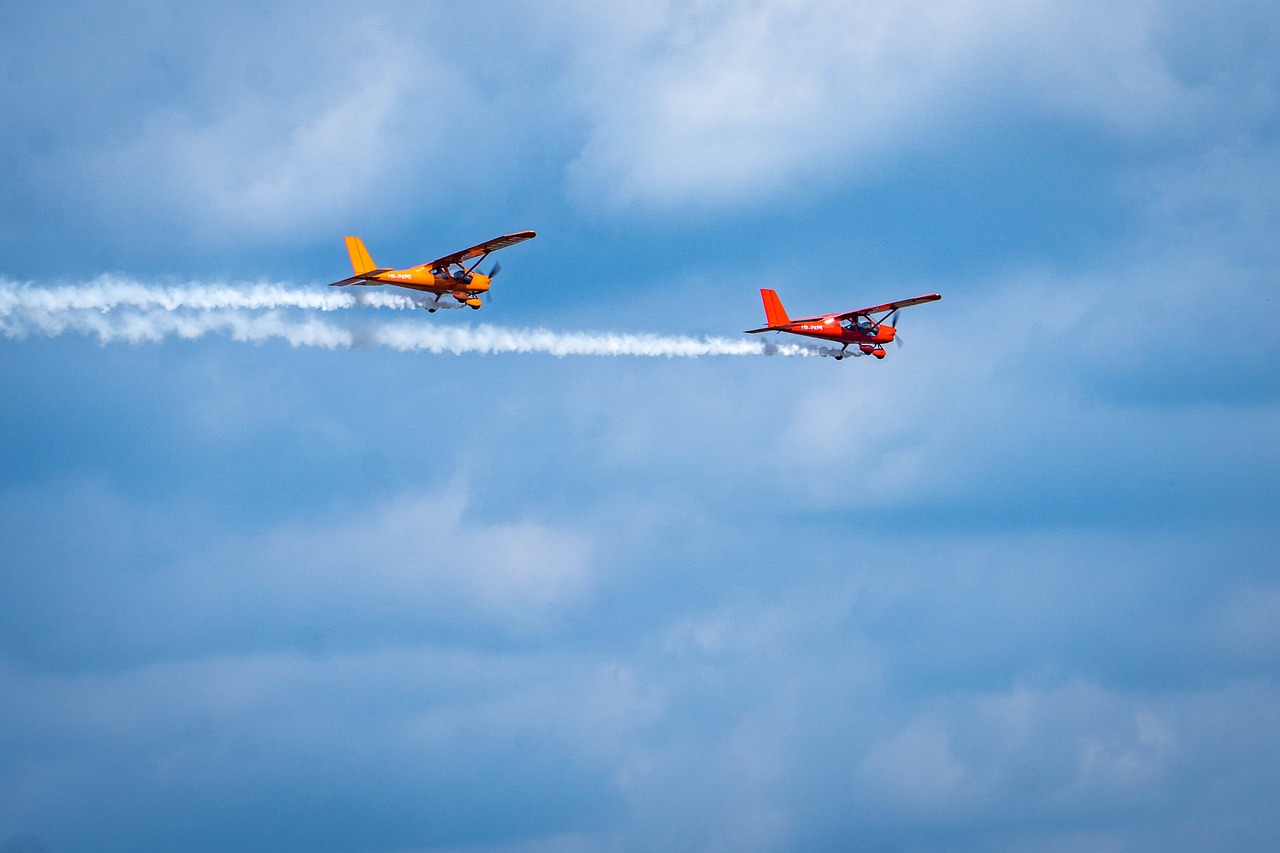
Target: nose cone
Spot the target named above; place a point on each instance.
(886, 333)
(478, 282)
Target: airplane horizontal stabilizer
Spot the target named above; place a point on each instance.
(361, 279)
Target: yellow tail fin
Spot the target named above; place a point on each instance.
(360, 260)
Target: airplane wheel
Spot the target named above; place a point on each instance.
(475, 307)
(839, 357)
(431, 310)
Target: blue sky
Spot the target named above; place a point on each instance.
(1016, 587)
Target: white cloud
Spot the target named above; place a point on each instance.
(723, 103)
(409, 567)
(316, 116)
(916, 769)
(406, 732)
(412, 557)
(825, 695)
(293, 127)
(1072, 747)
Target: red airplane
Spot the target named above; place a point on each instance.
(852, 327)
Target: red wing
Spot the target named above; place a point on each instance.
(888, 306)
(482, 249)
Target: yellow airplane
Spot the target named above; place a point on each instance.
(447, 276)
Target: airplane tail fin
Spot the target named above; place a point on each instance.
(360, 260)
(774, 313)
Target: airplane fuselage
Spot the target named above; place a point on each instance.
(422, 278)
(466, 289)
(831, 330)
(870, 340)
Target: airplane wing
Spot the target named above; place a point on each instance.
(482, 249)
(888, 306)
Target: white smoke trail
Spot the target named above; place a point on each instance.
(107, 293)
(114, 311)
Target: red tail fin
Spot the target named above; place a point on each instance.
(774, 313)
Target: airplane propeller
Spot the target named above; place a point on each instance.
(892, 320)
(487, 296)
